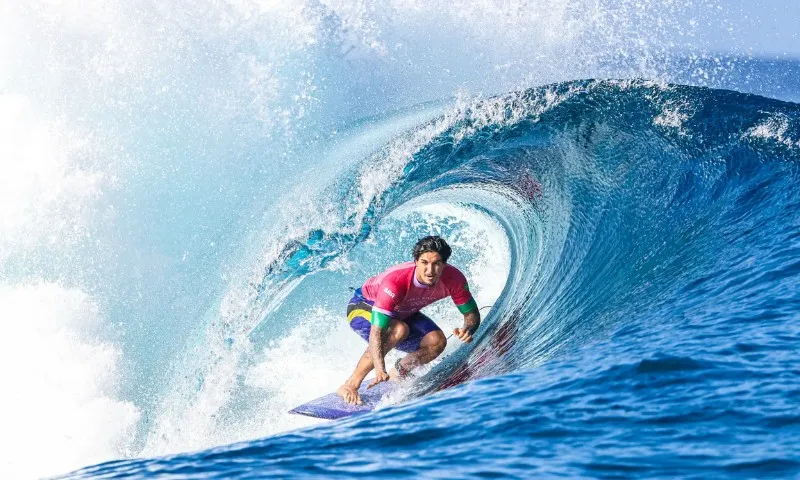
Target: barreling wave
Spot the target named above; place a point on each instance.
(617, 199)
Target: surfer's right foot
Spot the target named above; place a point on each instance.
(349, 394)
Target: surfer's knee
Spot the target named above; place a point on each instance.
(399, 331)
(436, 341)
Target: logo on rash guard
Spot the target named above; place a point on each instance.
(422, 301)
(388, 292)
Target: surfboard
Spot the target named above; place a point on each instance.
(332, 406)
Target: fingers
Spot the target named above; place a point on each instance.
(463, 335)
(380, 377)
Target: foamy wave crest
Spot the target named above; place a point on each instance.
(44, 195)
(775, 128)
(60, 379)
(60, 372)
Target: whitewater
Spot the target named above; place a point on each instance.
(187, 192)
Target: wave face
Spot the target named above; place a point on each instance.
(640, 245)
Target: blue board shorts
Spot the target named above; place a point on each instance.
(359, 314)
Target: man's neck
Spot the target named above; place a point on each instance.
(419, 284)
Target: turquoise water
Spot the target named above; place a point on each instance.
(188, 191)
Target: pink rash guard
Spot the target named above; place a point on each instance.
(397, 293)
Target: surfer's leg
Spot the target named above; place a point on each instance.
(431, 346)
(425, 342)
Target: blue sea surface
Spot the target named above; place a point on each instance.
(649, 323)
(189, 191)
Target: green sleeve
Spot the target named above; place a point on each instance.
(381, 319)
(467, 307)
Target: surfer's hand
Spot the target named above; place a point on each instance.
(349, 394)
(463, 334)
(380, 376)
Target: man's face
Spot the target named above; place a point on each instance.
(429, 268)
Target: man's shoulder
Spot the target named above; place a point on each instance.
(453, 274)
(398, 272)
(452, 269)
(400, 268)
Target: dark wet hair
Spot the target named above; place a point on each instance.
(432, 244)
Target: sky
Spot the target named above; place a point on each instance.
(763, 28)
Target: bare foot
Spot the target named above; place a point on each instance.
(349, 394)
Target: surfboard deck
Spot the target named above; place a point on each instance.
(332, 406)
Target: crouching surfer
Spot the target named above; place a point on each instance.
(385, 312)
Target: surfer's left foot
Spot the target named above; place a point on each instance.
(349, 394)
(399, 372)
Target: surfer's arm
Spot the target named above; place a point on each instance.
(459, 291)
(377, 346)
(472, 320)
(383, 310)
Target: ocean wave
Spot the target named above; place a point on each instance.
(616, 211)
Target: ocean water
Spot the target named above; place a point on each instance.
(189, 191)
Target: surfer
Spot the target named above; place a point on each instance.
(385, 312)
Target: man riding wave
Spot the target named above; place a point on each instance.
(385, 312)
